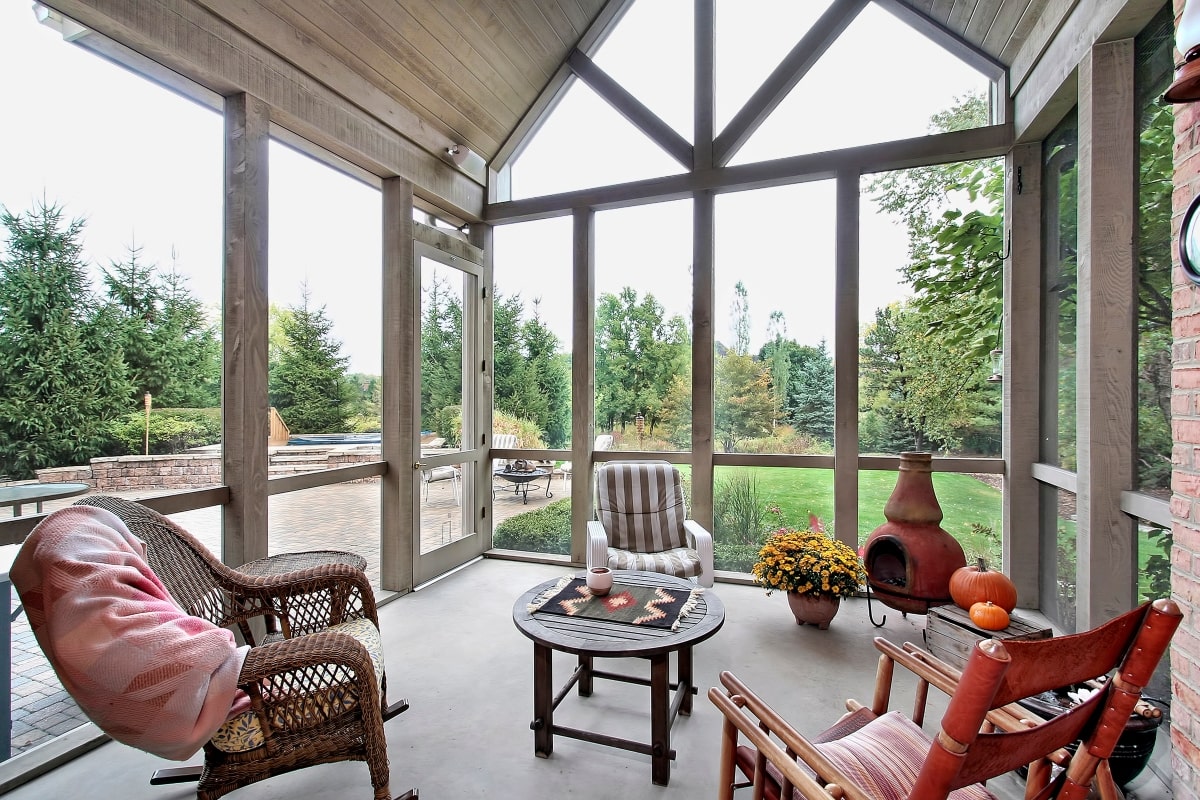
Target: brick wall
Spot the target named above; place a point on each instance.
(1185, 483)
(178, 472)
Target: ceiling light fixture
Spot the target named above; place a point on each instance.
(459, 153)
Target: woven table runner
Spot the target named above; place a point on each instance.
(649, 606)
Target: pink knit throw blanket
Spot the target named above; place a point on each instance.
(145, 672)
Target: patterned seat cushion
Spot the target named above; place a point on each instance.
(883, 758)
(243, 731)
(682, 562)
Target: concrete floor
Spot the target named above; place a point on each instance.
(453, 651)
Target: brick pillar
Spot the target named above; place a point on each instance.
(1185, 479)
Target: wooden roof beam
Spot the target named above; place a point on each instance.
(795, 65)
(989, 141)
(632, 109)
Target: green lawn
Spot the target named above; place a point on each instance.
(965, 501)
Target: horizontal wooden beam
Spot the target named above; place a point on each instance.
(196, 44)
(1050, 88)
(993, 140)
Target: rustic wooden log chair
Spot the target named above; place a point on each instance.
(313, 686)
(871, 753)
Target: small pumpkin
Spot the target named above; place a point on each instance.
(978, 584)
(989, 616)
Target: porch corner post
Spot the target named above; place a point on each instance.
(400, 390)
(1022, 324)
(845, 360)
(583, 380)
(1106, 572)
(703, 266)
(483, 509)
(245, 417)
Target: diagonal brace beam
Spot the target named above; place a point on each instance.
(631, 108)
(783, 78)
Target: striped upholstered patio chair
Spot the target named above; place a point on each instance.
(641, 523)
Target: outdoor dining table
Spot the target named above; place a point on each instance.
(37, 493)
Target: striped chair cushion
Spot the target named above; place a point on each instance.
(682, 562)
(883, 758)
(243, 732)
(641, 506)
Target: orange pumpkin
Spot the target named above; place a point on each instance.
(989, 616)
(978, 584)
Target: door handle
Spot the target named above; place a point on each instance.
(418, 465)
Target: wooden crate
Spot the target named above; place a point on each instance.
(950, 634)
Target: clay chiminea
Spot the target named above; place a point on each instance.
(910, 558)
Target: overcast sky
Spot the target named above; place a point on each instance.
(143, 166)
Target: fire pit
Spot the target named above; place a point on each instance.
(910, 558)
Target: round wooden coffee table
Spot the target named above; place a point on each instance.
(592, 638)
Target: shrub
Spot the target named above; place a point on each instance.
(172, 430)
(739, 516)
(547, 530)
(526, 431)
(734, 557)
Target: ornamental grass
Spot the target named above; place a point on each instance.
(808, 562)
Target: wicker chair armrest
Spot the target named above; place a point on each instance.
(325, 648)
(293, 683)
(307, 600)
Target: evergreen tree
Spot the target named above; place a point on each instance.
(549, 372)
(171, 349)
(810, 401)
(441, 355)
(190, 347)
(308, 383)
(62, 377)
(132, 292)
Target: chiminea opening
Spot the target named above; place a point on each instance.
(886, 564)
(910, 571)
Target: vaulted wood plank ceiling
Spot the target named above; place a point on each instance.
(470, 71)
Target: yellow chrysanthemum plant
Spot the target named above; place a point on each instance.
(808, 561)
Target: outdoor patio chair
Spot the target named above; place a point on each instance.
(603, 442)
(641, 523)
(318, 686)
(436, 474)
(871, 753)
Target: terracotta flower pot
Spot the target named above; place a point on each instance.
(816, 610)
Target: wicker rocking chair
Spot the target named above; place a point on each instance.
(317, 688)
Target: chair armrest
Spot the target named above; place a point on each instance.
(597, 545)
(285, 679)
(306, 600)
(701, 541)
(758, 722)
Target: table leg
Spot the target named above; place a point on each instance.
(660, 719)
(543, 703)
(6, 667)
(585, 676)
(685, 680)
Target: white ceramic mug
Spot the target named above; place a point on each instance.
(599, 580)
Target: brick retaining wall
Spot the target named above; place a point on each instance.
(177, 472)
